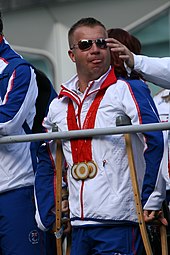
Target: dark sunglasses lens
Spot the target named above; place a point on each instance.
(101, 43)
(85, 44)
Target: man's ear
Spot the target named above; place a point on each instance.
(71, 55)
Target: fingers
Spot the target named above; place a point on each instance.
(67, 227)
(150, 216)
(65, 219)
(162, 219)
(124, 53)
(115, 45)
(65, 206)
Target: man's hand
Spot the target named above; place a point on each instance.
(122, 50)
(65, 206)
(151, 216)
(65, 218)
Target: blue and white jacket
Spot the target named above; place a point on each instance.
(17, 104)
(108, 197)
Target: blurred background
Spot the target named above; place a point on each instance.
(37, 29)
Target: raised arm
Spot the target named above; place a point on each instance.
(153, 69)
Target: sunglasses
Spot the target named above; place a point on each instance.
(87, 44)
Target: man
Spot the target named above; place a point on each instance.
(101, 201)
(18, 229)
(162, 102)
(156, 70)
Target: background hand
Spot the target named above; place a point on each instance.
(122, 50)
(151, 216)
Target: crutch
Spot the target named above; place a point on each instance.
(164, 244)
(59, 227)
(123, 121)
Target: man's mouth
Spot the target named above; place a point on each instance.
(96, 61)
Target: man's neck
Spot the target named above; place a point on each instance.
(82, 86)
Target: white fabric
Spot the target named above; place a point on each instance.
(156, 70)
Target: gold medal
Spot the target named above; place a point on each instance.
(92, 169)
(82, 171)
(73, 172)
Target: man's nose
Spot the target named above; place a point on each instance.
(94, 48)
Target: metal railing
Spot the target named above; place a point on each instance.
(86, 133)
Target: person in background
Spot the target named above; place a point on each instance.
(162, 102)
(101, 201)
(19, 233)
(153, 69)
(134, 45)
(156, 70)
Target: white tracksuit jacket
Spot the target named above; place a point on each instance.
(108, 197)
(17, 104)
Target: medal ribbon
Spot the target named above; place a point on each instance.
(81, 148)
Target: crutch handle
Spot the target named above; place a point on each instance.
(123, 120)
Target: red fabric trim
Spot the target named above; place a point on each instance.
(133, 241)
(137, 106)
(81, 200)
(70, 94)
(4, 60)
(111, 79)
(1, 38)
(11, 86)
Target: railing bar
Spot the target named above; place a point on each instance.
(85, 133)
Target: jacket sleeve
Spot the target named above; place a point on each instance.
(139, 106)
(155, 70)
(45, 178)
(45, 186)
(20, 97)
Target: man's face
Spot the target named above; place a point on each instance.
(93, 62)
